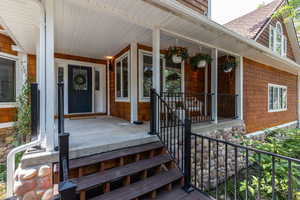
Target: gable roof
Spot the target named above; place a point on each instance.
(251, 24)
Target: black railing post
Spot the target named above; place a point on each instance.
(67, 190)
(60, 91)
(187, 155)
(63, 156)
(153, 112)
(34, 111)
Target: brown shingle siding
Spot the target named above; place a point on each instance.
(256, 79)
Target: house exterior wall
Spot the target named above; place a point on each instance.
(256, 79)
(197, 5)
(118, 109)
(264, 37)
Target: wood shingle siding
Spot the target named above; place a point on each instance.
(198, 5)
(6, 44)
(8, 115)
(256, 79)
(263, 38)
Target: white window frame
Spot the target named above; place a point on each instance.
(123, 99)
(11, 104)
(283, 41)
(141, 74)
(279, 87)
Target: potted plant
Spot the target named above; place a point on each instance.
(200, 60)
(228, 64)
(177, 54)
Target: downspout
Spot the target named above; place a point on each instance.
(12, 154)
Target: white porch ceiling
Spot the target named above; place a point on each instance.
(96, 28)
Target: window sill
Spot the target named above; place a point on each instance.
(122, 100)
(280, 110)
(8, 104)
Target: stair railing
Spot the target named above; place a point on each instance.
(210, 165)
(67, 189)
(174, 132)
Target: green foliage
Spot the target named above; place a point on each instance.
(23, 123)
(178, 51)
(289, 11)
(284, 142)
(197, 58)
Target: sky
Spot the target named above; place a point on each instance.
(224, 11)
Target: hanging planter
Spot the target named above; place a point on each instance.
(229, 64)
(200, 60)
(177, 54)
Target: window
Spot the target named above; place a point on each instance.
(277, 98)
(277, 40)
(7, 80)
(171, 75)
(122, 77)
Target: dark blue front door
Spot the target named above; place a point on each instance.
(80, 89)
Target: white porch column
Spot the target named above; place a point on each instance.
(239, 88)
(48, 77)
(133, 82)
(156, 59)
(214, 85)
(108, 86)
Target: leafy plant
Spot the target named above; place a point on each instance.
(199, 57)
(177, 51)
(23, 123)
(284, 142)
(228, 64)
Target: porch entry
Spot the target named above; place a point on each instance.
(80, 89)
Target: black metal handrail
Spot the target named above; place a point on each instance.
(194, 106)
(239, 166)
(35, 110)
(202, 158)
(67, 189)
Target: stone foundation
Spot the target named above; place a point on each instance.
(234, 135)
(34, 183)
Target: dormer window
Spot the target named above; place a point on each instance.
(277, 40)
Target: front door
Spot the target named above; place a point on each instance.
(80, 89)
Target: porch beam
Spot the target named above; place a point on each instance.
(239, 87)
(214, 86)
(156, 59)
(134, 82)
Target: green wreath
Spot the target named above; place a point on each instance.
(80, 79)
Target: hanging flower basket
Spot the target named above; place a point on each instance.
(200, 60)
(229, 64)
(177, 54)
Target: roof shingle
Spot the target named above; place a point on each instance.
(250, 24)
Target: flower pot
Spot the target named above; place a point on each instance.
(176, 59)
(202, 64)
(228, 70)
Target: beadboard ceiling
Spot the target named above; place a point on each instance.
(97, 28)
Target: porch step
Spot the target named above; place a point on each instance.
(98, 158)
(89, 181)
(142, 187)
(179, 194)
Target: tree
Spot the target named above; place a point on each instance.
(291, 10)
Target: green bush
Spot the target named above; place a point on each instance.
(284, 142)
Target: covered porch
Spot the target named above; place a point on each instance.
(109, 54)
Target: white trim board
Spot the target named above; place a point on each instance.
(64, 63)
(7, 125)
(257, 133)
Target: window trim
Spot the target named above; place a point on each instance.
(277, 86)
(123, 99)
(283, 41)
(10, 104)
(141, 76)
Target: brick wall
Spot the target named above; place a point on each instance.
(256, 79)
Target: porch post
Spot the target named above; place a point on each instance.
(108, 86)
(214, 86)
(156, 59)
(239, 88)
(49, 76)
(134, 82)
